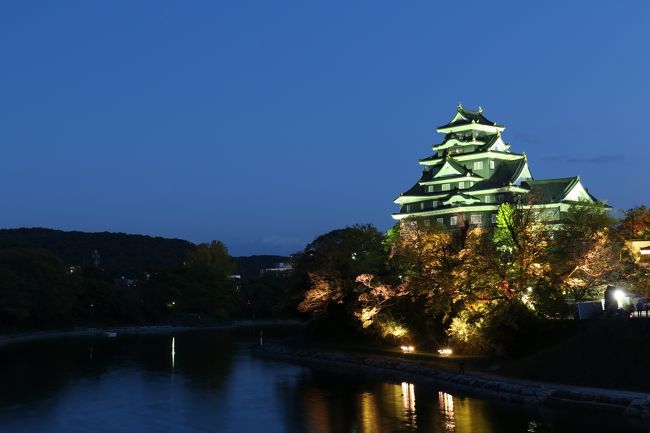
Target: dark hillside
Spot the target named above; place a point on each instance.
(119, 253)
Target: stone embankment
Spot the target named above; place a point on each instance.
(507, 389)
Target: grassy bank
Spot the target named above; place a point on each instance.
(605, 353)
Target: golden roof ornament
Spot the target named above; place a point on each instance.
(480, 109)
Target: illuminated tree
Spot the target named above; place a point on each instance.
(324, 289)
(516, 256)
(326, 271)
(440, 267)
(374, 297)
(587, 251)
(636, 224)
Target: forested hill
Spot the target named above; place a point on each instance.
(119, 253)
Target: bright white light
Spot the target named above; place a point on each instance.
(173, 352)
(407, 349)
(619, 295)
(530, 289)
(445, 352)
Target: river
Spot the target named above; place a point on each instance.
(207, 381)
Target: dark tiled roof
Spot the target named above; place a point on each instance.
(551, 190)
(472, 117)
(505, 173)
(489, 142)
(456, 165)
(458, 192)
(479, 149)
(430, 158)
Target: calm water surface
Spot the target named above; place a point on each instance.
(208, 382)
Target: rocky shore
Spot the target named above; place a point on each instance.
(482, 385)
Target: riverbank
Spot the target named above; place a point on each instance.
(474, 383)
(151, 329)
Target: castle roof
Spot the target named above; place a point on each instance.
(559, 190)
(467, 117)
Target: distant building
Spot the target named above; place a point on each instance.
(473, 171)
(642, 249)
(279, 268)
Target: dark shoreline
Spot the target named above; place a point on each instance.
(143, 329)
(481, 385)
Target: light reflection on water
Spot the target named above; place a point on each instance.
(173, 353)
(446, 405)
(408, 403)
(200, 381)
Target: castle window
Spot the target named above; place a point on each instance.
(408, 208)
(441, 220)
(429, 188)
(493, 218)
(453, 220)
(491, 164)
(421, 205)
(434, 203)
(478, 165)
(461, 185)
(501, 198)
(446, 187)
(488, 198)
(475, 219)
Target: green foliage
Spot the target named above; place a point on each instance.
(586, 218)
(391, 236)
(211, 258)
(510, 328)
(503, 230)
(202, 287)
(348, 252)
(500, 328)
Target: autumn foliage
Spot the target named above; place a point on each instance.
(471, 284)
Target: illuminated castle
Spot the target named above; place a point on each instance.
(473, 171)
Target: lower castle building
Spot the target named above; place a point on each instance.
(473, 171)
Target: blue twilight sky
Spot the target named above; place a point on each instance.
(265, 123)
